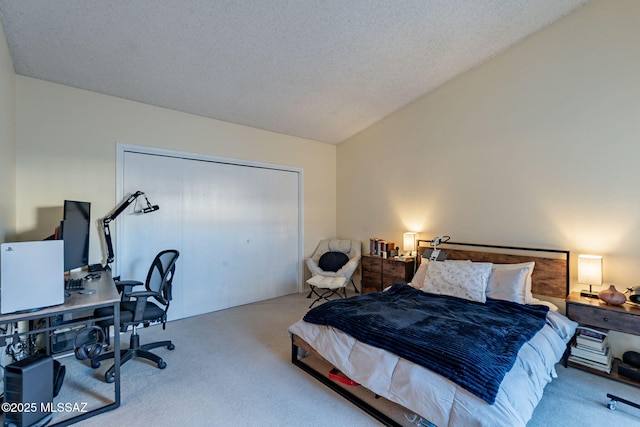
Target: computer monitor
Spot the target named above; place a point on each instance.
(74, 230)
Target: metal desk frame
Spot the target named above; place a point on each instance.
(105, 295)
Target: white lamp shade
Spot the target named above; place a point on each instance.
(590, 269)
(409, 241)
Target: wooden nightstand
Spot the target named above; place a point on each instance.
(378, 272)
(593, 312)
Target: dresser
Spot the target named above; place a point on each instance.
(593, 312)
(379, 273)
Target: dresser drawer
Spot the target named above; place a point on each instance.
(371, 279)
(378, 272)
(604, 318)
(391, 280)
(372, 264)
(398, 269)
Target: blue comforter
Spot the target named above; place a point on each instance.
(471, 344)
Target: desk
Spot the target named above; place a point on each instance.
(105, 295)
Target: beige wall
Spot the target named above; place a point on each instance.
(7, 142)
(538, 146)
(66, 147)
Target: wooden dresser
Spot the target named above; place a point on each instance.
(593, 312)
(378, 272)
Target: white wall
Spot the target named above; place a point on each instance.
(66, 141)
(538, 146)
(7, 142)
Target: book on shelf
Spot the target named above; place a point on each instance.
(373, 245)
(592, 333)
(591, 343)
(604, 367)
(378, 246)
(603, 356)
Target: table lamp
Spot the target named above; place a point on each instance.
(409, 242)
(590, 273)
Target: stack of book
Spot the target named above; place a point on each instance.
(379, 246)
(591, 349)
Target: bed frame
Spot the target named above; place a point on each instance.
(550, 278)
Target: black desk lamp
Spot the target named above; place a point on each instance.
(114, 214)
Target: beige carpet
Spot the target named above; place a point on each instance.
(232, 368)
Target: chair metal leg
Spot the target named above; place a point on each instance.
(355, 288)
(327, 294)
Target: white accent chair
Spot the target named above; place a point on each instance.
(338, 269)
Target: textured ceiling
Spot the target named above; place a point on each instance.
(323, 70)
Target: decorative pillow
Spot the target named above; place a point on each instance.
(418, 278)
(467, 280)
(332, 261)
(511, 282)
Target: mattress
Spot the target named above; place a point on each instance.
(434, 397)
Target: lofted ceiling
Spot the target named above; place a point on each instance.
(318, 69)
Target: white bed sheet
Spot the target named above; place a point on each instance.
(432, 396)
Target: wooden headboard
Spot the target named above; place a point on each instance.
(550, 275)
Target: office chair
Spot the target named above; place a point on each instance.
(135, 309)
(332, 266)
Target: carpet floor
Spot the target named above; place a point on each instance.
(232, 368)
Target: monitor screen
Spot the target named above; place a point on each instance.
(74, 230)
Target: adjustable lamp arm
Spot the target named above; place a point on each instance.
(116, 212)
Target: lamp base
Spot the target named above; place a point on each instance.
(588, 294)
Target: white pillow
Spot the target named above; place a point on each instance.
(418, 279)
(508, 284)
(511, 282)
(467, 280)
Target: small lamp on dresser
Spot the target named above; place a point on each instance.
(589, 273)
(409, 242)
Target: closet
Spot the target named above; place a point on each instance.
(236, 224)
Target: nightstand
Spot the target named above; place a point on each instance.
(378, 272)
(593, 312)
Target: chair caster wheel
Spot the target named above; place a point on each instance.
(162, 364)
(109, 377)
(95, 364)
(171, 347)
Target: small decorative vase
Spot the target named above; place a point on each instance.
(612, 296)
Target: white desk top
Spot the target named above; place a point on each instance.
(106, 294)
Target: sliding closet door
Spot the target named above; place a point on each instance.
(236, 227)
(140, 237)
(241, 224)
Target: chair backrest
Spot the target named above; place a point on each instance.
(160, 276)
(352, 248)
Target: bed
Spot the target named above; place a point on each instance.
(515, 281)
